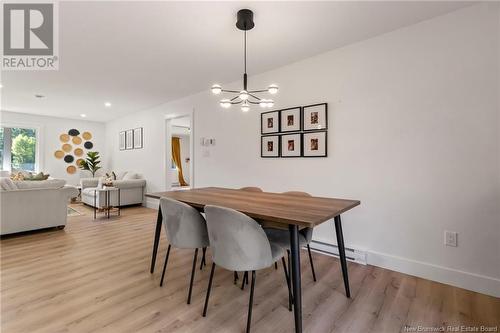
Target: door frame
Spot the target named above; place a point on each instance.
(167, 151)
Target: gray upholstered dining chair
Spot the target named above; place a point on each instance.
(239, 243)
(186, 229)
(282, 236)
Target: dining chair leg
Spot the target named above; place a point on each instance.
(311, 262)
(165, 266)
(236, 277)
(276, 265)
(192, 276)
(288, 258)
(250, 303)
(287, 277)
(343, 260)
(245, 280)
(208, 289)
(203, 262)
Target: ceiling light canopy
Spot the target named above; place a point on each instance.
(245, 97)
(107, 104)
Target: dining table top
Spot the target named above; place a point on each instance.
(276, 207)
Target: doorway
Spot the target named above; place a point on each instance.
(180, 164)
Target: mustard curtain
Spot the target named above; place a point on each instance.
(176, 156)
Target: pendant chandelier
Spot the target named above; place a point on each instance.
(245, 97)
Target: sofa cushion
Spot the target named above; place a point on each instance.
(7, 184)
(131, 183)
(89, 191)
(130, 175)
(120, 175)
(49, 183)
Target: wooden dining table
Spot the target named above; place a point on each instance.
(289, 211)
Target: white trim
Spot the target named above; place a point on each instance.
(167, 148)
(470, 281)
(39, 156)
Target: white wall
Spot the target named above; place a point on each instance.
(50, 129)
(413, 134)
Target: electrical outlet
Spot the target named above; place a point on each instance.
(450, 238)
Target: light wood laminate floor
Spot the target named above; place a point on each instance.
(94, 277)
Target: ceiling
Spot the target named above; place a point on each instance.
(137, 55)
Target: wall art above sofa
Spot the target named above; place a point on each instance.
(131, 139)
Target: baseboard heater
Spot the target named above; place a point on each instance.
(354, 255)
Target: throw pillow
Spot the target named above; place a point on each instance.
(100, 183)
(7, 184)
(130, 175)
(37, 177)
(17, 176)
(120, 175)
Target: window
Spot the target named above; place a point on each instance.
(18, 149)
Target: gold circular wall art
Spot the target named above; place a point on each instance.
(66, 147)
(78, 152)
(71, 169)
(87, 135)
(70, 152)
(76, 140)
(64, 137)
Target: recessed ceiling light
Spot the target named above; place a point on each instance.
(1, 86)
(107, 104)
(39, 96)
(83, 115)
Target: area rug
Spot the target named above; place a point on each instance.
(73, 212)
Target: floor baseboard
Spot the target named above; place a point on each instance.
(466, 280)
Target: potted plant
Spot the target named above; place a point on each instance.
(91, 163)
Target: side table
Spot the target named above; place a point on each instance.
(108, 206)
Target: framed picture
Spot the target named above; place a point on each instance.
(129, 139)
(315, 117)
(138, 138)
(291, 145)
(270, 122)
(122, 140)
(270, 146)
(290, 120)
(315, 144)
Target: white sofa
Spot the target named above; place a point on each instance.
(131, 187)
(32, 205)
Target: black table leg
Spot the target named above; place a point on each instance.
(156, 242)
(295, 274)
(343, 261)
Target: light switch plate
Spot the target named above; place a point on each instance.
(450, 238)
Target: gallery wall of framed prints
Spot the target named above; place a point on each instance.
(300, 131)
(131, 139)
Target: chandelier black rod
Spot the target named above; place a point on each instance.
(245, 57)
